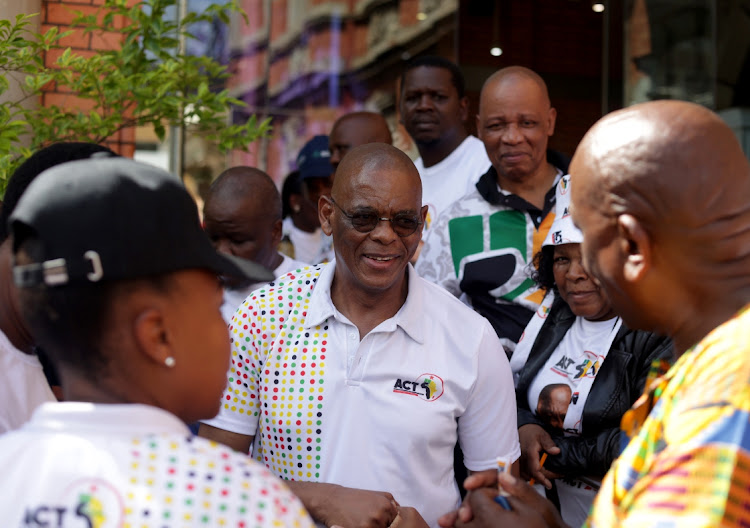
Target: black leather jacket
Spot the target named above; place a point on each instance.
(617, 385)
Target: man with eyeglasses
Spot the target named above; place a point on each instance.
(355, 379)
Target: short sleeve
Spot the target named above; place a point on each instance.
(240, 402)
(487, 429)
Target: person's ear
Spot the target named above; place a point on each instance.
(551, 119)
(423, 215)
(325, 210)
(151, 335)
(635, 245)
(479, 127)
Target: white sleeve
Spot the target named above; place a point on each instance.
(488, 428)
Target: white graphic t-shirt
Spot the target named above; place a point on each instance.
(564, 382)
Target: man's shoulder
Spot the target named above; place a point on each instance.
(295, 283)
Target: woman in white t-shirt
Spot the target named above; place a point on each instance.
(130, 318)
(577, 370)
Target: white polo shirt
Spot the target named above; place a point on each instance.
(82, 465)
(376, 414)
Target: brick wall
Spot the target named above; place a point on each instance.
(60, 13)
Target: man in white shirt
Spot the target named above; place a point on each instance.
(434, 110)
(242, 217)
(358, 375)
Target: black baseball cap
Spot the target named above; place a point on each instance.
(114, 219)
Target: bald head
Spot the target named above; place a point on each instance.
(249, 185)
(355, 129)
(365, 163)
(516, 74)
(674, 165)
(661, 192)
(242, 215)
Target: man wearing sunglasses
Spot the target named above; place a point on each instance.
(355, 379)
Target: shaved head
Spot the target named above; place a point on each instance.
(661, 192)
(241, 183)
(675, 166)
(513, 74)
(366, 161)
(355, 129)
(242, 216)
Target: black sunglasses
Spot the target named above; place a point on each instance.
(403, 224)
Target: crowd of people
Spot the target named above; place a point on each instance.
(367, 346)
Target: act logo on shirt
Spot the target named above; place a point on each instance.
(88, 503)
(429, 387)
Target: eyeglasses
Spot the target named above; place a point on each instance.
(403, 224)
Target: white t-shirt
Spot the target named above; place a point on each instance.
(376, 414)
(456, 175)
(309, 248)
(234, 297)
(81, 465)
(574, 359)
(23, 386)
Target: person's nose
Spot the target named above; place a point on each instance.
(512, 134)
(425, 102)
(576, 271)
(383, 232)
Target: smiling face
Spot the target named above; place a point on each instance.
(576, 287)
(431, 109)
(515, 122)
(375, 178)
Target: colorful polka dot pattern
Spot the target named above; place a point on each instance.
(174, 481)
(277, 374)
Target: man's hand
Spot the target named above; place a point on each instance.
(336, 505)
(408, 518)
(535, 441)
(528, 509)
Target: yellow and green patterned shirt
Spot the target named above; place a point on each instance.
(688, 461)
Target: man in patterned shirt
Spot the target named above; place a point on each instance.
(359, 375)
(480, 247)
(662, 195)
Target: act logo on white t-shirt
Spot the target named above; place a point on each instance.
(88, 503)
(428, 387)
